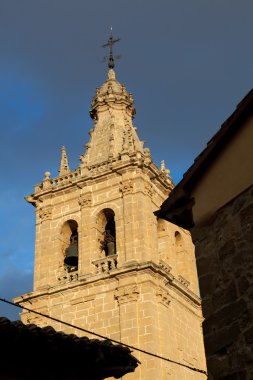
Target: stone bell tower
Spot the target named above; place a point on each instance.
(103, 261)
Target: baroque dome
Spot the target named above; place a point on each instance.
(111, 85)
(112, 92)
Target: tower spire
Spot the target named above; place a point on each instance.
(110, 44)
(64, 166)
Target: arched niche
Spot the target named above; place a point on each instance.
(183, 259)
(179, 244)
(162, 239)
(164, 242)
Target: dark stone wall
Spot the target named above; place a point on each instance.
(224, 252)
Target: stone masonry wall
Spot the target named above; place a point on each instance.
(136, 307)
(224, 251)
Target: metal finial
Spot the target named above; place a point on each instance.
(109, 44)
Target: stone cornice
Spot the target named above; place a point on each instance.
(162, 270)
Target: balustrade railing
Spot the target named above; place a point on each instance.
(106, 264)
(55, 183)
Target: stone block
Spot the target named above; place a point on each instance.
(248, 335)
(227, 251)
(243, 285)
(225, 316)
(224, 296)
(207, 284)
(221, 338)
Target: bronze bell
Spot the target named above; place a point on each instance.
(71, 258)
(111, 248)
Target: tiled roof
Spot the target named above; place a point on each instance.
(31, 352)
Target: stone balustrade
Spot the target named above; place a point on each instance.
(57, 182)
(106, 264)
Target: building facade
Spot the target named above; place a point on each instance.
(103, 261)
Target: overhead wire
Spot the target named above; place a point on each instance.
(104, 337)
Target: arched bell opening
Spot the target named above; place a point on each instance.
(70, 244)
(108, 233)
(161, 239)
(109, 242)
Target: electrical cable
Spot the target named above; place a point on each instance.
(104, 337)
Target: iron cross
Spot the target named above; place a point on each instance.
(109, 44)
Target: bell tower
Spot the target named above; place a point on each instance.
(102, 259)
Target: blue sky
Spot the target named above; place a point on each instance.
(187, 63)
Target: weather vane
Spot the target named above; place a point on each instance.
(110, 44)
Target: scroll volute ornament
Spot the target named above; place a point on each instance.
(45, 213)
(85, 200)
(127, 187)
(127, 294)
